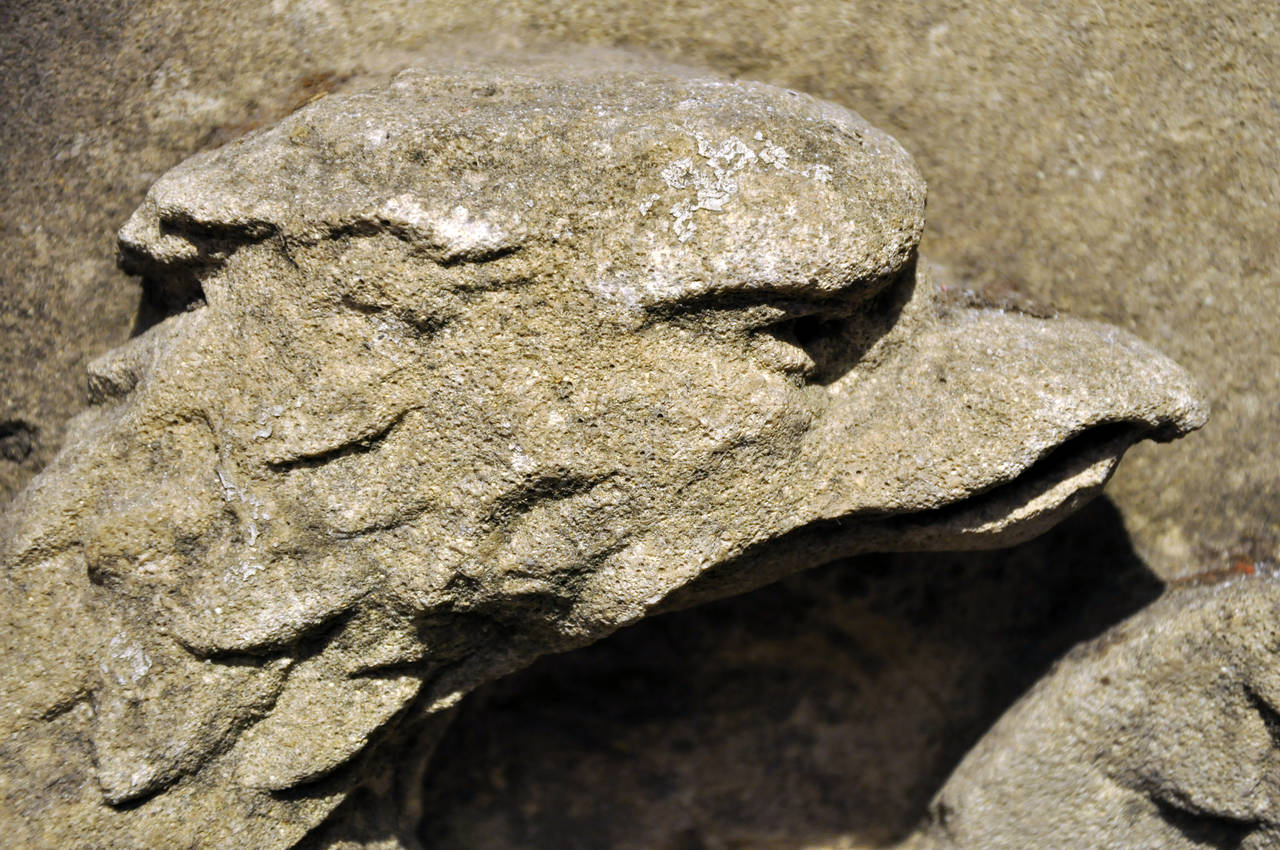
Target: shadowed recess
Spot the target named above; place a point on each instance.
(830, 705)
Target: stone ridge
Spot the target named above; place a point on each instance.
(653, 188)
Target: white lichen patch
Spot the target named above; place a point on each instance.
(774, 155)
(249, 569)
(254, 505)
(713, 181)
(819, 172)
(229, 489)
(136, 661)
(456, 233)
(263, 421)
(520, 461)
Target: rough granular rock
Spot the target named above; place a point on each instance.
(481, 367)
(1160, 733)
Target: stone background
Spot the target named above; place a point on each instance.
(1116, 161)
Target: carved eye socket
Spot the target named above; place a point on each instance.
(809, 345)
(822, 340)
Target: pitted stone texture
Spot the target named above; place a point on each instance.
(1161, 733)
(448, 388)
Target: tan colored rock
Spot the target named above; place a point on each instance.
(1161, 733)
(1117, 162)
(485, 366)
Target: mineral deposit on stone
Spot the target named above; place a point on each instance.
(485, 366)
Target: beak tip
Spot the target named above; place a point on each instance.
(1189, 413)
(1181, 404)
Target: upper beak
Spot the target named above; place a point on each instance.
(987, 427)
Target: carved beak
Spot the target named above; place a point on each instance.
(957, 429)
(989, 427)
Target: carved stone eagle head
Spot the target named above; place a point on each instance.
(483, 366)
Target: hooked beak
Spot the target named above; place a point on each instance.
(986, 428)
(961, 429)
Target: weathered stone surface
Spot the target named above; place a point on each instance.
(481, 367)
(1118, 163)
(822, 711)
(1161, 733)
